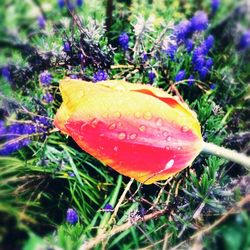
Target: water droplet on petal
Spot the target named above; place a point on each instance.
(133, 136)
(83, 126)
(147, 115)
(117, 114)
(122, 136)
(179, 148)
(184, 129)
(167, 148)
(137, 115)
(168, 138)
(169, 164)
(142, 128)
(115, 148)
(158, 122)
(165, 133)
(112, 126)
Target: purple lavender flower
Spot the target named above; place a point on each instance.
(72, 216)
(2, 128)
(215, 4)
(199, 21)
(209, 42)
(209, 63)
(60, 3)
(47, 97)
(144, 57)
(182, 30)
(191, 80)
(67, 46)
(244, 41)
(123, 40)
(45, 78)
(108, 208)
(13, 137)
(73, 76)
(70, 5)
(151, 77)
(180, 75)
(171, 51)
(100, 75)
(41, 22)
(189, 44)
(203, 73)
(6, 73)
(79, 3)
(212, 86)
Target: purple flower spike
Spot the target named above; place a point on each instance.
(72, 216)
(45, 78)
(41, 22)
(151, 77)
(180, 75)
(199, 21)
(48, 98)
(100, 75)
(244, 41)
(79, 3)
(191, 80)
(73, 76)
(215, 4)
(6, 73)
(60, 3)
(67, 46)
(183, 30)
(123, 40)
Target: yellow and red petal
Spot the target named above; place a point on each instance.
(141, 132)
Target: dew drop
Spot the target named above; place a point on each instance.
(167, 148)
(168, 138)
(165, 133)
(115, 148)
(169, 164)
(117, 114)
(83, 126)
(142, 128)
(133, 136)
(184, 129)
(137, 115)
(112, 126)
(179, 148)
(158, 122)
(147, 115)
(122, 136)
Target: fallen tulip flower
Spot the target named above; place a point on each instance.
(138, 130)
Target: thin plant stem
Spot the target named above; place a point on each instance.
(228, 154)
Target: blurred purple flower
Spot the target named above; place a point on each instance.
(6, 73)
(108, 208)
(209, 42)
(182, 30)
(212, 86)
(189, 44)
(45, 78)
(100, 75)
(72, 216)
(48, 98)
(191, 80)
(41, 22)
(123, 40)
(215, 4)
(73, 76)
(70, 5)
(71, 174)
(244, 41)
(151, 77)
(67, 46)
(209, 63)
(171, 51)
(203, 73)
(60, 3)
(79, 3)
(199, 21)
(180, 75)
